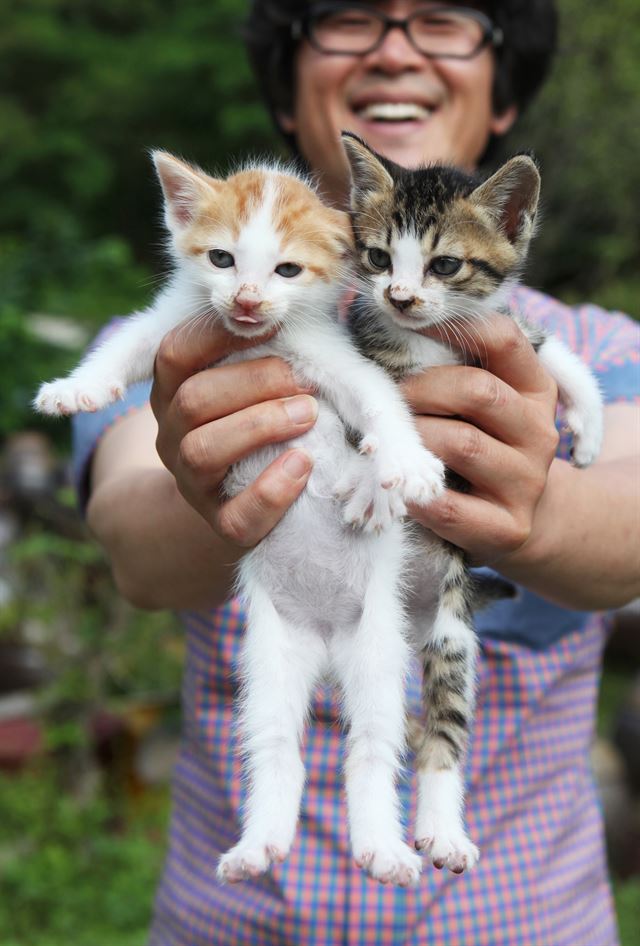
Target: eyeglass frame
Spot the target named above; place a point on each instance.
(301, 28)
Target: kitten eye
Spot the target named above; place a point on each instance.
(380, 259)
(221, 258)
(445, 265)
(288, 270)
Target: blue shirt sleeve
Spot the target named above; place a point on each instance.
(87, 429)
(609, 342)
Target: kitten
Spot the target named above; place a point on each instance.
(437, 247)
(255, 252)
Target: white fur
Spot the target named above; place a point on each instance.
(321, 596)
(440, 831)
(578, 391)
(124, 358)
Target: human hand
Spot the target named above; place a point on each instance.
(210, 417)
(493, 425)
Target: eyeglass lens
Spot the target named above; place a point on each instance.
(434, 32)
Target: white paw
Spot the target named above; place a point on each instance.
(446, 847)
(248, 859)
(368, 504)
(368, 445)
(390, 862)
(587, 437)
(418, 475)
(70, 395)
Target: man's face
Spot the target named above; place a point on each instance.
(335, 93)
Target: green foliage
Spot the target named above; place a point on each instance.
(24, 362)
(627, 897)
(66, 876)
(101, 650)
(87, 90)
(585, 131)
(75, 865)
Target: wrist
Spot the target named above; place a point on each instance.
(582, 550)
(548, 527)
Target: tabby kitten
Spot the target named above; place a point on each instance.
(255, 253)
(437, 247)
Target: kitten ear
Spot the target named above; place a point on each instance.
(183, 186)
(368, 173)
(510, 197)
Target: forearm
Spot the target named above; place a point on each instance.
(584, 548)
(162, 552)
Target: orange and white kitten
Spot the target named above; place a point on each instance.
(256, 252)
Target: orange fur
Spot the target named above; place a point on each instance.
(313, 235)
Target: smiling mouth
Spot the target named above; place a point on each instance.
(393, 112)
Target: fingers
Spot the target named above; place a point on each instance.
(206, 452)
(486, 531)
(494, 469)
(214, 393)
(502, 349)
(211, 417)
(225, 389)
(183, 353)
(252, 514)
(472, 394)
(494, 425)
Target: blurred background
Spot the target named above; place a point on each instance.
(89, 687)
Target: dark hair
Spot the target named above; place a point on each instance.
(522, 61)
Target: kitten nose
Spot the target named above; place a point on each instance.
(248, 298)
(248, 305)
(402, 304)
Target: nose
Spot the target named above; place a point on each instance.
(247, 305)
(248, 297)
(401, 304)
(395, 54)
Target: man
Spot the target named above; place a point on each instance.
(562, 533)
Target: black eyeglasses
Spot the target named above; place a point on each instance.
(437, 32)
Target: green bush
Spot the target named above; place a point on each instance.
(24, 362)
(77, 864)
(66, 875)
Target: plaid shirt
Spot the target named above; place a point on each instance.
(532, 806)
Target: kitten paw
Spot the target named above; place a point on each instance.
(368, 445)
(247, 859)
(368, 504)
(66, 396)
(419, 476)
(389, 862)
(446, 848)
(587, 438)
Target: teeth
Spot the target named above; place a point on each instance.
(394, 111)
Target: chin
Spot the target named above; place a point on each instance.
(413, 323)
(246, 330)
(416, 321)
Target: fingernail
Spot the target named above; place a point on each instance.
(300, 410)
(297, 465)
